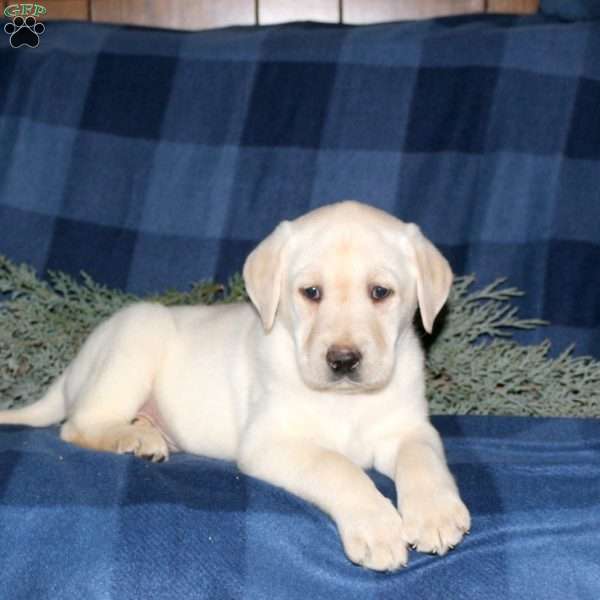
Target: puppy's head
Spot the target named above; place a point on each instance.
(345, 281)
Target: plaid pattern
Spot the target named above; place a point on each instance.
(152, 159)
(77, 524)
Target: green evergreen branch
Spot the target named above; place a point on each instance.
(473, 364)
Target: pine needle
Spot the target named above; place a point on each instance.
(473, 366)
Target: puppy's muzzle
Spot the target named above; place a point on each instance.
(343, 360)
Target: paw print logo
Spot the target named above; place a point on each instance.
(24, 32)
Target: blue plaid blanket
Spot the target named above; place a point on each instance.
(77, 524)
(151, 159)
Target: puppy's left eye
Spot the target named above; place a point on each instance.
(313, 293)
(379, 293)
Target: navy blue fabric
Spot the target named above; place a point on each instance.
(571, 9)
(79, 524)
(151, 159)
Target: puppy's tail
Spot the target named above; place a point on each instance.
(46, 411)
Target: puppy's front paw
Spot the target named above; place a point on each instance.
(373, 537)
(434, 522)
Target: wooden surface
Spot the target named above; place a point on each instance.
(175, 14)
(512, 6)
(206, 14)
(282, 11)
(359, 11)
(66, 9)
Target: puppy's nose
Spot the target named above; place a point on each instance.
(343, 359)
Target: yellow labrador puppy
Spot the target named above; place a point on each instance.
(319, 378)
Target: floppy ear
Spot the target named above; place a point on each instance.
(263, 273)
(434, 276)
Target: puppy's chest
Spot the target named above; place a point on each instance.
(350, 438)
(359, 450)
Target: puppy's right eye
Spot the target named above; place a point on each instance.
(312, 293)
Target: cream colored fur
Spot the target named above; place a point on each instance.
(252, 383)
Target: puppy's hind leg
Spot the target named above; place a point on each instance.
(140, 438)
(116, 375)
